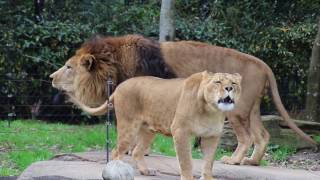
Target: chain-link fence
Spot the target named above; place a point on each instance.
(53, 106)
(47, 103)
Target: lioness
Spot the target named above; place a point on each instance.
(178, 107)
(84, 75)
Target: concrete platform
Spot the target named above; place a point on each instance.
(89, 165)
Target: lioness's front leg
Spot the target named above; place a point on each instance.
(208, 147)
(183, 148)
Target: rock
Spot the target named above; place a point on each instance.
(280, 134)
(306, 125)
(228, 139)
(118, 170)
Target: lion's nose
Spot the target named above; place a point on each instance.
(228, 88)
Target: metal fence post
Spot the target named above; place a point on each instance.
(38, 9)
(11, 114)
(108, 123)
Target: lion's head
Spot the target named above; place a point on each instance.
(82, 77)
(85, 74)
(221, 90)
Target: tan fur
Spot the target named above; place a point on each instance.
(76, 80)
(119, 58)
(177, 107)
(91, 66)
(186, 57)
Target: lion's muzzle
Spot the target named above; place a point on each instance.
(53, 76)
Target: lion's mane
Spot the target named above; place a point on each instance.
(120, 58)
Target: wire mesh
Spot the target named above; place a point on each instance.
(44, 102)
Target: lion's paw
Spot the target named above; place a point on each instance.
(149, 172)
(190, 178)
(206, 178)
(229, 160)
(249, 161)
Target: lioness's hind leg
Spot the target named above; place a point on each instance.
(259, 135)
(144, 140)
(208, 147)
(127, 132)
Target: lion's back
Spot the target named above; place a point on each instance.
(147, 93)
(189, 57)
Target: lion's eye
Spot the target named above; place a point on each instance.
(233, 83)
(217, 82)
(69, 67)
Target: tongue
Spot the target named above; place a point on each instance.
(227, 100)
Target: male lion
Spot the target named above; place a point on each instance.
(84, 75)
(178, 107)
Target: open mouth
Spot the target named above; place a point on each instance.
(226, 100)
(226, 104)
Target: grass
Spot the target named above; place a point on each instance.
(317, 138)
(280, 153)
(164, 145)
(28, 141)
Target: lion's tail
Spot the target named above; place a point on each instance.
(97, 111)
(283, 112)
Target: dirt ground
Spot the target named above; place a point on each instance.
(303, 159)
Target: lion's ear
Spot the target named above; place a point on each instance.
(88, 62)
(205, 74)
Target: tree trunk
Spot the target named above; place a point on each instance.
(167, 23)
(313, 89)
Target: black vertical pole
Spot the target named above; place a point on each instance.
(38, 8)
(11, 114)
(108, 123)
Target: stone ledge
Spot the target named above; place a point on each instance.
(279, 131)
(168, 167)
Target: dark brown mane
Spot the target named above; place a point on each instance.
(151, 60)
(97, 44)
(147, 55)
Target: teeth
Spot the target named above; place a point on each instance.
(226, 100)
